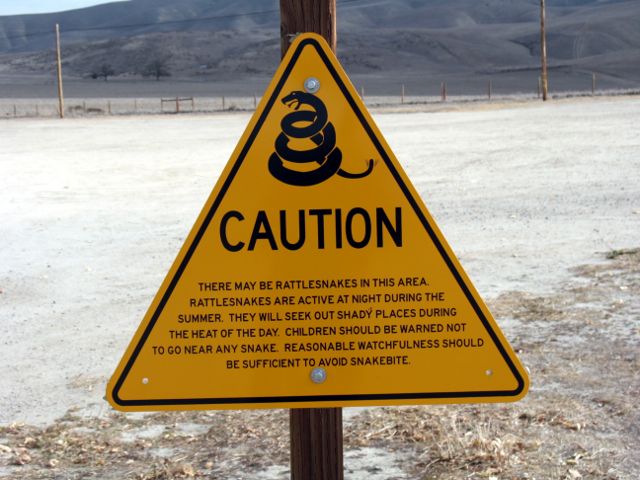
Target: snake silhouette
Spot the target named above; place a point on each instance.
(321, 132)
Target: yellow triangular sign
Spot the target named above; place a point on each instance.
(314, 275)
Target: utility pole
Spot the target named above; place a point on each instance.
(543, 52)
(315, 433)
(59, 63)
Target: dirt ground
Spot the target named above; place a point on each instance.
(581, 418)
(540, 202)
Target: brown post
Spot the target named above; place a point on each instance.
(223, 103)
(489, 88)
(302, 16)
(402, 94)
(443, 91)
(315, 433)
(593, 84)
(59, 69)
(543, 53)
(316, 444)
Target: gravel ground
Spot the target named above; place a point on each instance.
(532, 198)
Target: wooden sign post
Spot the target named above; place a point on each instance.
(301, 16)
(316, 433)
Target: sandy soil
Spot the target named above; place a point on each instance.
(532, 199)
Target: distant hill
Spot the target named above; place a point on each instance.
(21, 33)
(218, 39)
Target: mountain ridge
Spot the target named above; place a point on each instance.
(217, 39)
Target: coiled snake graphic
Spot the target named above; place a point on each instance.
(321, 132)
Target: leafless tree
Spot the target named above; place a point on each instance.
(158, 68)
(103, 71)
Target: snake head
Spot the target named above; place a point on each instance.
(293, 100)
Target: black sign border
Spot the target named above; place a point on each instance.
(205, 224)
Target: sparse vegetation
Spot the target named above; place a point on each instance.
(157, 68)
(103, 71)
(624, 251)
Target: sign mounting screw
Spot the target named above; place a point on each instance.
(318, 375)
(312, 85)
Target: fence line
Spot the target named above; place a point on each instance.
(81, 107)
(88, 107)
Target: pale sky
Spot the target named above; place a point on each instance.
(17, 7)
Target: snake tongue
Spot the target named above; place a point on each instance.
(295, 104)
